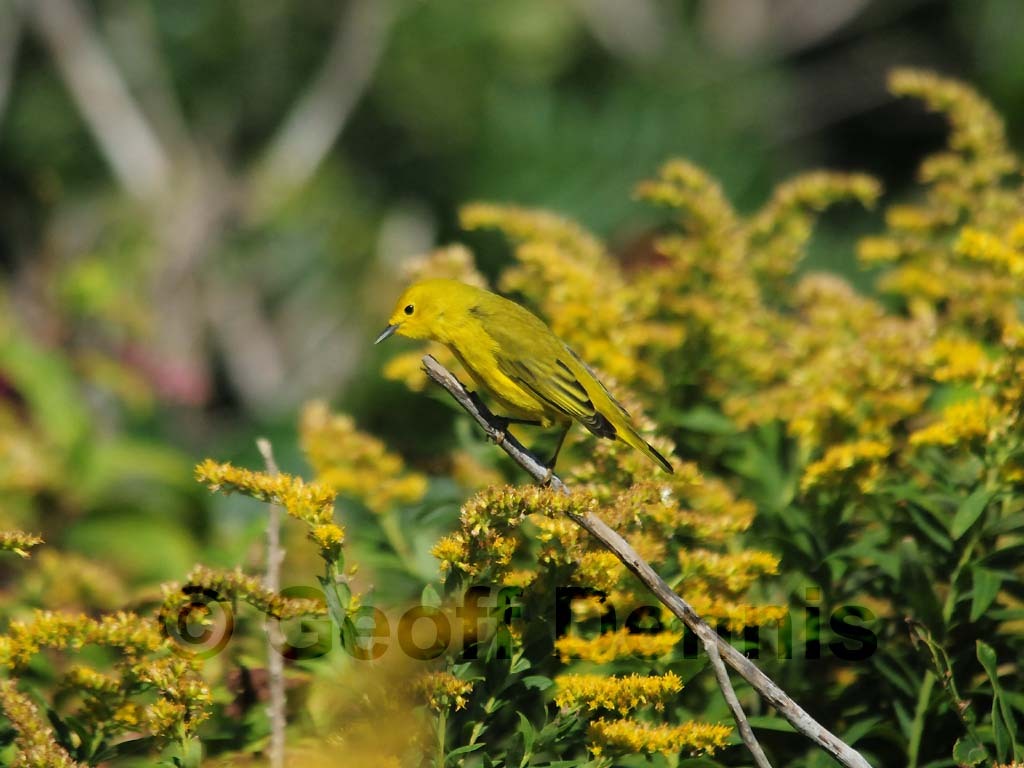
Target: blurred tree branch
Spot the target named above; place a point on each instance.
(320, 114)
(633, 30)
(188, 189)
(97, 88)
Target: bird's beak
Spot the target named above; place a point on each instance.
(386, 332)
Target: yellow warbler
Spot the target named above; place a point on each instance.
(515, 357)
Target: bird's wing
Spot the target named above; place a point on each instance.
(550, 379)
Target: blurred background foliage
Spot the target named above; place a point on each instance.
(204, 207)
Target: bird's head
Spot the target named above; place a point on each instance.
(422, 309)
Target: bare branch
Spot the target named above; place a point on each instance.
(725, 685)
(275, 662)
(596, 527)
(634, 30)
(320, 114)
(125, 137)
(133, 36)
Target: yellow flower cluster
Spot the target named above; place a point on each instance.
(733, 572)
(837, 367)
(619, 644)
(618, 694)
(145, 664)
(735, 615)
(35, 740)
(442, 690)
(90, 680)
(778, 234)
(990, 249)
(634, 736)
(858, 462)
(507, 533)
(960, 360)
(18, 542)
(233, 585)
(133, 635)
(353, 462)
(977, 420)
(313, 503)
(804, 354)
(488, 534)
(566, 273)
(977, 129)
(973, 183)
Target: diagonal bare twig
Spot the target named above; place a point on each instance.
(729, 693)
(122, 131)
(321, 112)
(772, 693)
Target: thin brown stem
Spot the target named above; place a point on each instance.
(772, 693)
(275, 661)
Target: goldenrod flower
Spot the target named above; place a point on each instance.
(959, 359)
(733, 572)
(858, 461)
(236, 585)
(978, 419)
(132, 634)
(313, 503)
(634, 736)
(618, 694)
(990, 249)
(34, 738)
(619, 644)
(442, 690)
(353, 462)
(18, 542)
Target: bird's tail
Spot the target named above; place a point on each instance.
(630, 437)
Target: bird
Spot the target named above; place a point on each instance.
(517, 359)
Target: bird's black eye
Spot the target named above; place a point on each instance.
(408, 309)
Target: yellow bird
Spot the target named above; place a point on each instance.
(515, 357)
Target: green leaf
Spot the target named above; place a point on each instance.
(771, 723)
(969, 511)
(986, 587)
(702, 419)
(538, 682)
(1003, 726)
(1007, 524)
(969, 751)
(987, 657)
(465, 749)
(429, 597)
(929, 529)
(529, 735)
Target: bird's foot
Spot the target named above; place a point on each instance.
(547, 477)
(500, 430)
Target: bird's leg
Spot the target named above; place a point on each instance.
(502, 423)
(551, 462)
